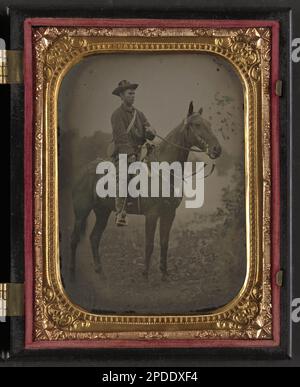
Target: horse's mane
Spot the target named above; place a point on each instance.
(171, 136)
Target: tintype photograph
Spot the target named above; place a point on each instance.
(152, 167)
(152, 254)
(155, 180)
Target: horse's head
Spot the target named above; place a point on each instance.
(199, 133)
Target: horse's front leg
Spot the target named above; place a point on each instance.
(150, 227)
(102, 216)
(166, 221)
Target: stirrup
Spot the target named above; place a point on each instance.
(121, 220)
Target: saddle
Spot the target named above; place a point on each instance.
(133, 205)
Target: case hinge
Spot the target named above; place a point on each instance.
(11, 66)
(11, 300)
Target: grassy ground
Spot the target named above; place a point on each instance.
(207, 265)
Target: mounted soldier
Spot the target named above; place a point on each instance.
(193, 131)
(130, 130)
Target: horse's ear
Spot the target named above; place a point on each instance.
(200, 111)
(191, 109)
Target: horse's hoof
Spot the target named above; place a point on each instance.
(165, 277)
(98, 269)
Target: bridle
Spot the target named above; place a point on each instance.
(187, 125)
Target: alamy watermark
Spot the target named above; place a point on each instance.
(296, 310)
(156, 179)
(296, 50)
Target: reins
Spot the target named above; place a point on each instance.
(189, 150)
(179, 146)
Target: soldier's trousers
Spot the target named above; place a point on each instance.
(121, 181)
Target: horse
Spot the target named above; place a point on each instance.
(193, 131)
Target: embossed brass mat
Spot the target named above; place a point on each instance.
(55, 51)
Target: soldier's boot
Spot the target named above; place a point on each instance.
(121, 216)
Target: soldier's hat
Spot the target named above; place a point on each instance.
(124, 85)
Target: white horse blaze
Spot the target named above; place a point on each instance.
(184, 182)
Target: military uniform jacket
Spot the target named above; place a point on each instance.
(128, 142)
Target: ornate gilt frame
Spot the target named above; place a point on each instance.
(251, 316)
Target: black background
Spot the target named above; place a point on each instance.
(184, 9)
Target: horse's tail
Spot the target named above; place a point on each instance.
(83, 195)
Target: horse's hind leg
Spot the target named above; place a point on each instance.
(166, 221)
(102, 216)
(75, 238)
(151, 221)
